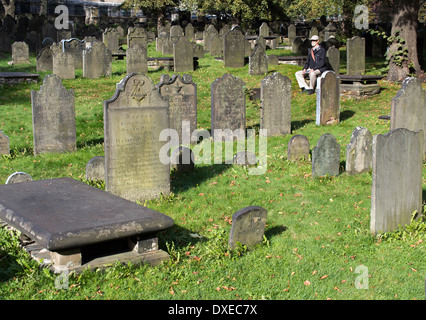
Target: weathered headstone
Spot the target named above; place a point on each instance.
(228, 105)
(95, 169)
(133, 120)
(291, 33)
(396, 190)
(137, 59)
(181, 92)
(189, 32)
(63, 64)
(264, 30)
(258, 61)
(183, 55)
(63, 34)
(359, 155)
(333, 56)
(298, 148)
(326, 157)
(18, 177)
(53, 117)
(4, 144)
(234, 49)
(408, 108)
(176, 32)
(136, 35)
(75, 47)
(355, 56)
(182, 159)
(273, 60)
(248, 227)
(97, 61)
(328, 99)
(198, 51)
(216, 45)
(160, 41)
(20, 53)
(110, 39)
(330, 30)
(297, 46)
(207, 37)
(275, 110)
(44, 61)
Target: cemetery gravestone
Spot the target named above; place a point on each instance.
(95, 169)
(333, 56)
(245, 158)
(234, 49)
(291, 33)
(133, 120)
(53, 117)
(18, 177)
(189, 32)
(97, 61)
(182, 159)
(176, 32)
(248, 227)
(328, 99)
(258, 61)
(44, 61)
(63, 63)
(408, 108)
(355, 52)
(359, 155)
(396, 190)
(264, 30)
(160, 41)
(326, 157)
(4, 144)
(183, 55)
(110, 39)
(228, 107)
(273, 60)
(137, 59)
(275, 111)
(181, 92)
(20, 53)
(75, 47)
(136, 35)
(207, 37)
(198, 51)
(298, 148)
(297, 46)
(216, 45)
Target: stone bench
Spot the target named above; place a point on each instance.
(75, 226)
(359, 85)
(17, 77)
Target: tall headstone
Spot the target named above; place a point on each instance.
(216, 45)
(97, 61)
(53, 112)
(181, 92)
(136, 35)
(275, 110)
(63, 63)
(183, 55)
(258, 61)
(328, 99)
(359, 154)
(326, 157)
(298, 148)
(160, 41)
(333, 56)
(291, 33)
(264, 30)
(234, 49)
(44, 61)
(207, 37)
(110, 38)
(248, 227)
(133, 120)
(396, 190)
(408, 108)
(228, 105)
(20, 53)
(189, 32)
(4, 144)
(355, 56)
(137, 59)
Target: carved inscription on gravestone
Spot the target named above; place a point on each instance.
(133, 120)
(53, 117)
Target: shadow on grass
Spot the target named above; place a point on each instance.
(178, 235)
(347, 114)
(295, 125)
(274, 231)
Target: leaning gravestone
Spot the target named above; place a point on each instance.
(95, 169)
(97, 61)
(183, 55)
(53, 117)
(18, 177)
(228, 105)
(275, 110)
(333, 56)
(328, 99)
(326, 157)
(396, 190)
(258, 61)
(137, 59)
(44, 61)
(408, 108)
(181, 92)
(248, 227)
(355, 56)
(359, 155)
(133, 120)
(20, 53)
(234, 49)
(4, 144)
(298, 148)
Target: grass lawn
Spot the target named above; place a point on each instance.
(317, 243)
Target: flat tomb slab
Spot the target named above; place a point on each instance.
(63, 214)
(359, 85)
(17, 77)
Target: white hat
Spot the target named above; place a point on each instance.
(314, 38)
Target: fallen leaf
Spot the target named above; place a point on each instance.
(307, 283)
(324, 276)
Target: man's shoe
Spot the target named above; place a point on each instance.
(310, 91)
(303, 90)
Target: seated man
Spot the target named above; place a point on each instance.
(314, 66)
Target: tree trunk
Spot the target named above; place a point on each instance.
(404, 22)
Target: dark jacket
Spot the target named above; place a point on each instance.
(320, 60)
